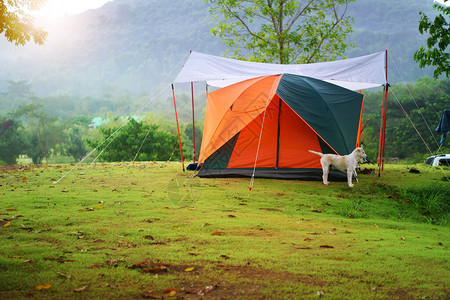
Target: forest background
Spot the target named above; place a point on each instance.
(112, 64)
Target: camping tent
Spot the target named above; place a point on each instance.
(265, 126)
(320, 105)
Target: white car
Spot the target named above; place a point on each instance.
(438, 160)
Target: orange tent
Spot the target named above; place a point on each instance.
(265, 126)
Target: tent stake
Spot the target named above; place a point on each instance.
(178, 127)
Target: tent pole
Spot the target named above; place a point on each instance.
(360, 128)
(278, 135)
(384, 121)
(380, 142)
(193, 118)
(178, 127)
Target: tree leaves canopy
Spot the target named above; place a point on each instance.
(437, 52)
(16, 23)
(283, 31)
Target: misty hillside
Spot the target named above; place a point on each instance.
(132, 45)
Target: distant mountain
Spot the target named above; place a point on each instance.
(132, 45)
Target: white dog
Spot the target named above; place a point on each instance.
(345, 163)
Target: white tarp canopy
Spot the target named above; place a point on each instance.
(354, 73)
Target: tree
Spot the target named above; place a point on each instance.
(283, 31)
(11, 142)
(156, 144)
(42, 131)
(74, 142)
(16, 23)
(437, 52)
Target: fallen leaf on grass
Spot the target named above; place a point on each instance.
(308, 239)
(270, 209)
(80, 289)
(317, 211)
(224, 256)
(320, 293)
(152, 295)
(102, 229)
(148, 237)
(97, 266)
(231, 216)
(43, 287)
(331, 232)
(59, 259)
(160, 269)
(326, 246)
(303, 248)
(348, 231)
(158, 243)
(314, 233)
(114, 262)
(98, 207)
(26, 228)
(142, 264)
(171, 294)
(63, 275)
(218, 233)
(46, 229)
(189, 269)
(11, 209)
(206, 224)
(403, 238)
(7, 224)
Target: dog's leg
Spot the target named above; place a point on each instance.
(325, 170)
(349, 176)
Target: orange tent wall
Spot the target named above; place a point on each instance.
(232, 108)
(295, 139)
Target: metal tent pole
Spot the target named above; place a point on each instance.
(381, 144)
(193, 117)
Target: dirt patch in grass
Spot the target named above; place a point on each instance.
(221, 281)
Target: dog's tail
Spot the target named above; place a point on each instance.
(317, 153)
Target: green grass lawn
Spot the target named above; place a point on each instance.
(150, 230)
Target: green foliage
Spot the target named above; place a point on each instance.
(423, 101)
(189, 134)
(433, 202)
(437, 53)
(74, 145)
(17, 24)
(42, 132)
(11, 142)
(283, 31)
(146, 140)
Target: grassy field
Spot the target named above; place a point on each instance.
(149, 230)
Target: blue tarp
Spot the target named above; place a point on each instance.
(444, 125)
